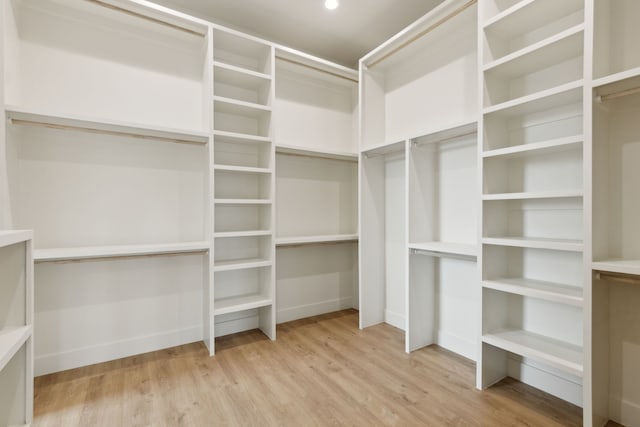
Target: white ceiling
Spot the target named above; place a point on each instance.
(343, 35)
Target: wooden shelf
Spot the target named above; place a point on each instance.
(536, 243)
(250, 233)
(553, 50)
(247, 169)
(242, 201)
(528, 15)
(621, 266)
(34, 117)
(565, 94)
(384, 149)
(118, 251)
(239, 138)
(448, 133)
(446, 248)
(560, 194)
(11, 237)
(241, 264)
(561, 355)
(241, 303)
(313, 240)
(546, 147)
(11, 340)
(238, 76)
(616, 77)
(314, 152)
(549, 291)
(239, 108)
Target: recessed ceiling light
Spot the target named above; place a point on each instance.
(331, 4)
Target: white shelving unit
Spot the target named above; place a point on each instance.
(418, 181)
(16, 328)
(533, 240)
(316, 186)
(243, 291)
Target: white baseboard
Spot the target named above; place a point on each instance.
(546, 379)
(314, 309)
(55, 362)
(395, 319)
(457, 344)
(624, 411)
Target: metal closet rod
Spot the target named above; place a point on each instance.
(145, 17)
(618, 277)
(622, 93)
(423, 33)
(311, 67)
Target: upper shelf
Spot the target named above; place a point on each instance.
(565, 94)
(548, 146)
(528, 15)
(238, 76)
(240, 108)
(119, 251)
(315, 152)
(622, 266)
(314, 240)
(11, 237)
(34, 117)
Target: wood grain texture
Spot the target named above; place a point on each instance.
(321, 371)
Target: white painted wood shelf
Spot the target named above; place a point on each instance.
(556, 194)
(241, 264)
(238, 76)
(446, 248)
(241, 303)
(448, 133)
(118, 251)
(240, 108)
(314, 240)
(11, 340)
(527, 15)
(239, 138)
(621, 266)
(245, 169)
(554, 292)
(243, 201)
(315, 152)
(546, 147)
(552, 50)
(37, 117)
(561, 355)
(568, 93)
(244, 233)
(11, 237)
(616, 77)
(536, 243)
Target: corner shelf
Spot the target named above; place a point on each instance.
(315, 152)
(446, 248)
(536, 243)
(11, 340)
(559, 194)
(561, 355)
(549, 146)
(36, 117)
(118, 251)
(241, 303)
(241, 264)
(554, 292)
(552, 50)
(314, 240)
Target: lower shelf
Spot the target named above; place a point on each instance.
(561, 355)
(554, 292)
(11, 339)
(240, 264)
(241, 303)
(536, 243)
(117, 251)
(311, 240)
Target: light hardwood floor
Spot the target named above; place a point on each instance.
(321, 371)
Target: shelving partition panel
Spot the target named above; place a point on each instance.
(243, 263)
(316, 186)
(535, 182)
(97, 176)
(16, 327)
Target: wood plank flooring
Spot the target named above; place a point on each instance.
(321, 371)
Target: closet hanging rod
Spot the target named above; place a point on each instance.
(622, 93)
(101, 131)
(322, 70)
(436, 254)
(317, 156)
(418, 143)
(627, 279)
(423, 32)
(145, 17)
